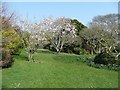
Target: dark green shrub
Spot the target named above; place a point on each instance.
(118, 61)
(85, 59)
(104, 58)
(110, 66)
(16, 51)
(79, 50)
(101, 66)
(118, 47)
(68, 48)
(47, 46)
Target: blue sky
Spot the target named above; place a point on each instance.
(83, 11)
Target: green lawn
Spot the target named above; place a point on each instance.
(56, 71)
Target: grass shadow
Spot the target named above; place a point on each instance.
(72, 58)
(45, 52)
(21, 56)
(65, 58)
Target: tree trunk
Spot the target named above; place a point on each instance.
(117, 55)
(29, 55)
(58, 51)
(91, 51)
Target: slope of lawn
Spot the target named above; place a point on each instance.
(56, 71)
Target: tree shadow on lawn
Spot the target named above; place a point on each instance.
(45, 52)
(65, 58)
(21, 56)
(62, 57)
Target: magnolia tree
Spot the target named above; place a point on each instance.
(27, 33)
(33, 35)
(39, 34)
(55, 31)
(60, 31)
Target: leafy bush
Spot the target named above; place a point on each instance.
(85, 59)
(79, 50)
(118, 47)
(104, 58)
(49, 46)
(12, 40)
(114, 67)
(6, 59)
(90, 62)
(68, 48)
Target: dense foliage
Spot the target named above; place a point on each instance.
(11, 42)
(104, 58)
(78, 25)
(102, 61)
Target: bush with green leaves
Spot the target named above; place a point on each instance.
(90, 62)
(114, 67)
(79, 50)
(85, 59)
(6, 59)
(11, 44)
(12, 40)
(104, 58)
(69, 48)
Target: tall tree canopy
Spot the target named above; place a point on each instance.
(78, 25)
(106, 28)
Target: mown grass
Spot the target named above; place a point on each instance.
(56, 71)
